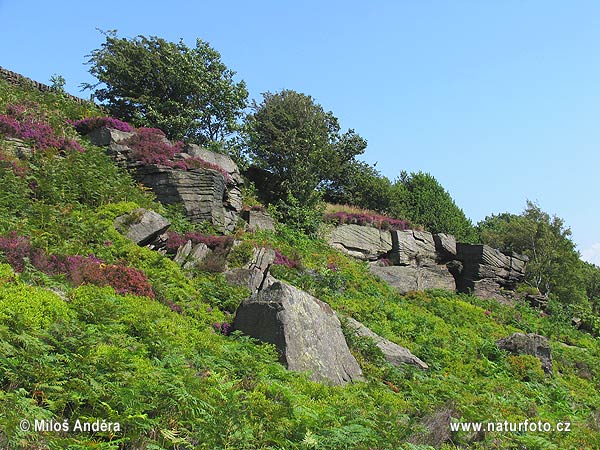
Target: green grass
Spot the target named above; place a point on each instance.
(172, 382)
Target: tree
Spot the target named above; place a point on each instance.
(186, 92)
(298, 144)
(554, 266)
(420, 198)
(360, 184)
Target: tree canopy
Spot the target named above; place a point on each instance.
(420, 198)
(187, 92)
(554, 266)
(298, 143)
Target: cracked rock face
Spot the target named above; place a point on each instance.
(487, 271)
(366, 243)
(306, 332)
(255, 274)
(142, 226)
(421, 260)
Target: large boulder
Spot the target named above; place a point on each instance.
(393, 353)
(258, 220)
(305, 331)
(366, 243)
(142, 226)
(487, 272)
(529, 344)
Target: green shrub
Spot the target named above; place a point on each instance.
(240, 255)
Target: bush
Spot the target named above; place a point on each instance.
(306, 217)
(240, 255)
(525, 367)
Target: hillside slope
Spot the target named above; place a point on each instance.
(150, 354)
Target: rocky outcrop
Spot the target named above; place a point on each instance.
(415, 278)
(393, 353)
(418, 264)
(209, 194)
(305, 331)
(255, 274)
(487, 272)
(142, 226)
(189, 256)
(529, 344)
(418, 260)
(366, 243)
(258, 220)
(203, 193)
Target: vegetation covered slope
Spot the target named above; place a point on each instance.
(72, 347)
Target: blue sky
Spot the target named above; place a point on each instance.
(499, 100)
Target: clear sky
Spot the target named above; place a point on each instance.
(499, 100)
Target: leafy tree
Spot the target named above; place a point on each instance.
(360, 184)
(591, 276)
(187, 92)
(298, 144)
(420, 198)
(554, 266)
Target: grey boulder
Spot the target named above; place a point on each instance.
(258, 220)
(305, 331)
(529, 344)
(393, 353)
(142, 226)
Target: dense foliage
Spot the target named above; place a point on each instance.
(554, 266)
(299, 145)
(187, 92)
(420, 198)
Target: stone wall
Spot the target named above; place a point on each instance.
(15, 78)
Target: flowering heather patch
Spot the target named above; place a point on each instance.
(150, 146)
(124, 280)
(13, 165)
(21, 123)
(176, 240)
(223, 328)
(15, 248)
(78, 269)
(196, 162)
(283, 260)
(374, 220)
(84, 126)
